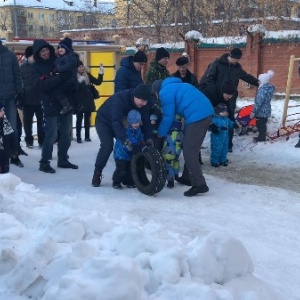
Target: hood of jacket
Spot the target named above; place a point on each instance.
(127, 62)
(38, 45)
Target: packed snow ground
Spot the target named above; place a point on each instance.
(62, 239)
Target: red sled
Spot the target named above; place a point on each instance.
(243, 116)
(285, 131)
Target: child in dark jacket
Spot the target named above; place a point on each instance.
(67, 62)
(123, 153)
(219, 138)
(8, 145)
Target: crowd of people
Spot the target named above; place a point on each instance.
(171, 112)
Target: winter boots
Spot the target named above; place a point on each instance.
(195, 190)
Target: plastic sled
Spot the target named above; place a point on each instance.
(243, 116)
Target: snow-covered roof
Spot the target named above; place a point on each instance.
(62, 5)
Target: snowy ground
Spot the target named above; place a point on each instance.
(60, 238)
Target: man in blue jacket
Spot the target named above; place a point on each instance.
(187, 101)
(129, 75)
(109, 123)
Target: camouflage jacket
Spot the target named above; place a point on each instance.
(156, 72)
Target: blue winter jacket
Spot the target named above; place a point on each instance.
(116, 108)
(127, 76)
(263, 99)
(135, 136)
(182, 99)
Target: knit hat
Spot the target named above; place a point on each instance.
(28, 51)
(143, 91)
(134, 117)
(182, 60)
(228, 88)
(221, 107)
(153, 118)
(66, 43)
(80, 63)
(140, 57)
(161, 53)
(156, 86)
(236, 53)
(265, 77)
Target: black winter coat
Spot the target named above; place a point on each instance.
(45, 81)
(127, 76)
(10, 75)
(189, 78)
(220, 71)
(30, 92)
(84, 93)
(117, 107)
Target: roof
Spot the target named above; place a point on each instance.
(77, 5)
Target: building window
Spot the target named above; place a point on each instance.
(41, 16)
(51, 29)
(30, 28)
(41, 28)
(52, 17)
(30, 15)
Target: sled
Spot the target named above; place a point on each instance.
(243, 116)
(285, 131)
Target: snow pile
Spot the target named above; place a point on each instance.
(50, 252)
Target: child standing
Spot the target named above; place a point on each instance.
(219, 138)
(262, 107)
(67, 62)
(122, 154)
(7, 142)
(172, 149)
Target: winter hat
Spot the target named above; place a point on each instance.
(221, 107)
(28, 51)
(265, 77)
(134, 117)
(161, 53)
(228, 88)
(182, 60)
(66, 43)
(140, 57)
(153, 118)
(236, 53)
(156, 86)
(143, 91)
(80, 63)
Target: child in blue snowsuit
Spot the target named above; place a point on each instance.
(171, 151)
(123, 155)
(219, 138)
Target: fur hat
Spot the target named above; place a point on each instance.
(156, 86)
(161, 53)
(66, 43)
(140, 57)
(28, 51)
(182, 60)
(265, 77)
(236, 53)
(134, 117)
(143, 91)
(221, 107)
(228, 88)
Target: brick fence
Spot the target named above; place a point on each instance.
(259, 56)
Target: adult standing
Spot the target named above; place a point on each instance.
(158, 66)
(224, 68)
(109, 123)
(10, 89)
(192, 105)
(47, 84)
(184, 73)
(86, 99)
(129, 74)
(31, 103)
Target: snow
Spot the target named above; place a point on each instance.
(62, 239)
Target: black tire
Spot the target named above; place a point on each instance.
(157, 167)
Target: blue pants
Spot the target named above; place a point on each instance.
(64, 125)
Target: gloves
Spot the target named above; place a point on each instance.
(150, 142)
(128, 145)
(214, 128)
(101, 69)
(81, 79)
(252, 115)
(223, 128)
